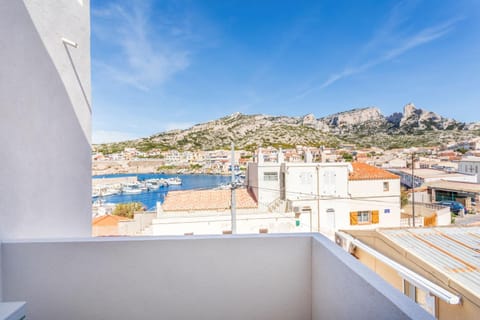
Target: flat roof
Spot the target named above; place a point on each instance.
(471, 159)
(454, 186)
(430, 173)
(452, 251)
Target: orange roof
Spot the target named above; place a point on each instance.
(363, 171)
(188, 200)
(107, 221)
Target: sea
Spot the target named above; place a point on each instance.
(149, 198)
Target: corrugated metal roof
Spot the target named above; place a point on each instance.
(453, 251)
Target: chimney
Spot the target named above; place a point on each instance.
(260, 156)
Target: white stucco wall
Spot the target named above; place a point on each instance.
(45, 119)
(265, 191)
(306, 181)
(1, 284)
(247, 223)
(374, 188)
(350, 292)
(235, 277)
(369, 195)
(470, 167)
(444, 217)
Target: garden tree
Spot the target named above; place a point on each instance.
(347, 157)
(128, 209)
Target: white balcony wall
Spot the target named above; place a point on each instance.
(210, 278)
(342, 288)
(230, 277)
(45, 185)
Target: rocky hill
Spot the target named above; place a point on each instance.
(364, 127)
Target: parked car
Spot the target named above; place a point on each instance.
(455, 206)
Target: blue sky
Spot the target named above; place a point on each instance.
(161, 65)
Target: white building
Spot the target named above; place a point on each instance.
(329, 196)
(209, 212)
(470, 166)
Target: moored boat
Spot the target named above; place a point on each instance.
(174, 181)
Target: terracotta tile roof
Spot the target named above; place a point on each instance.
(363, 171)
(189, 200)
(107, 221)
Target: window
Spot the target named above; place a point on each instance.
(364, 217)
(386, 186)
(270, 176)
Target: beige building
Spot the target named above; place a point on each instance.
(438, 267)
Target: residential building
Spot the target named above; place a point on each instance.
(106, 225)
(329, 196)
(436, 267)
(471, 166)
(209, 212)
(395, 163)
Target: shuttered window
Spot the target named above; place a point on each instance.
(364, 217)
(353, 218)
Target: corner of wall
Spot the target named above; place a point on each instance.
(1, 274)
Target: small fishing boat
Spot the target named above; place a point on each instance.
(174, 181)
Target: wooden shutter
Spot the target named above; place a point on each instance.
(353, 218)
(375, 216)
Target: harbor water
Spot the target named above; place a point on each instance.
(149, 198)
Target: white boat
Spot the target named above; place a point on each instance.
(132, 188)
(154, 184)
(174, 181)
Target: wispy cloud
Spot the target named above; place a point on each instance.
(387, 44)
(146, 50)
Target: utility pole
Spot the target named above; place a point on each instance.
(233, 200)
(413, 190)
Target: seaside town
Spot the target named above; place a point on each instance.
(446, 188)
